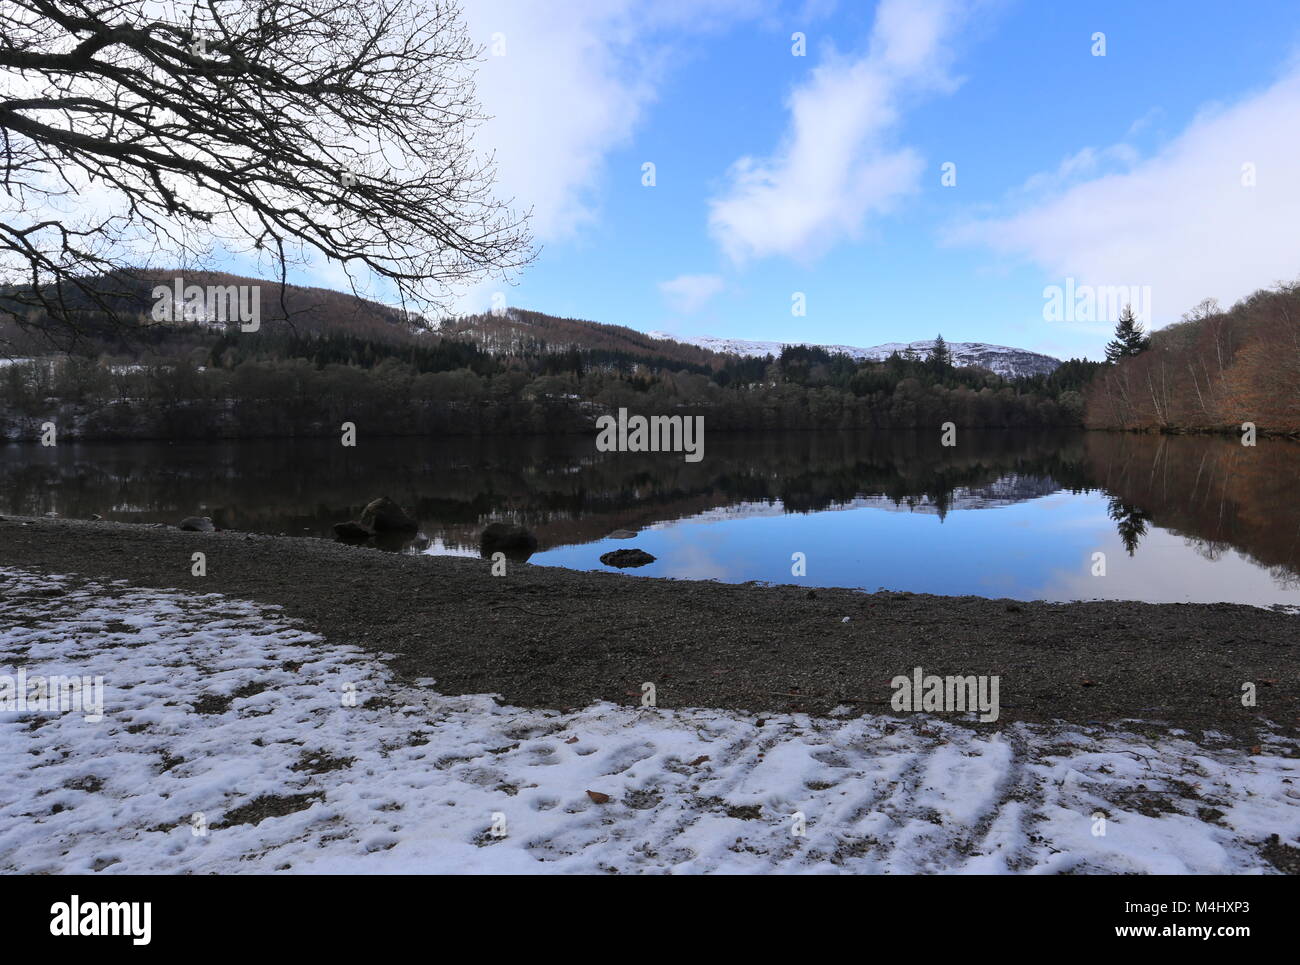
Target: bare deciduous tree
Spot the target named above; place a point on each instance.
(139, 131)
(1213, 370)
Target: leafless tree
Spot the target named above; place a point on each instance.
(139, 133)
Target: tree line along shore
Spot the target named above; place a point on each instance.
(535, 374)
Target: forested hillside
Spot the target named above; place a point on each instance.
(1213, 370)
(518, 332)
(337, 358)
(120, 319)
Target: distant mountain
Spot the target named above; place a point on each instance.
(513, 331)
(1002, 360)
(308, 310)
(516, 331)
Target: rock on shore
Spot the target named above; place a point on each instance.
(383, 515)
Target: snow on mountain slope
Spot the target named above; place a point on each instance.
(1001, 359)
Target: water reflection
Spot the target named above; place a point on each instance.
(1000, 514)
(1130, 523)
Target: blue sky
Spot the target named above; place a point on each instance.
(820, 174)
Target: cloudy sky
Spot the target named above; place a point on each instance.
(1171, 163)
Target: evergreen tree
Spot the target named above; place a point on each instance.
(940, 358)
(1129, 338)
(1130, 521)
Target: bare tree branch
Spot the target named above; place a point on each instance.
(144, 131)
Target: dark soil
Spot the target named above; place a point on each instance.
(267, 806)
(542, 636)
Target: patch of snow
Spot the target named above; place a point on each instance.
(407, 780)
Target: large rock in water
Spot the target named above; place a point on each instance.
(625, 558)
(384, 516)
(507, 537)
(197, 524)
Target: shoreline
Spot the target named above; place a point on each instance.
(31, 436)
(549, 637)
(30, 433)
(225, 716)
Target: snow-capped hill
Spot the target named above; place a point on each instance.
(1002, 360)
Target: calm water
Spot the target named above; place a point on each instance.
(1178, 518)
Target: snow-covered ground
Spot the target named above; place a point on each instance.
(212, 704)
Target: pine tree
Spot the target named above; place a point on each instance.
(940, 358)
(1129, 338)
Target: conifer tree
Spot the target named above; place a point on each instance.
(940, 358)
(1129, 340)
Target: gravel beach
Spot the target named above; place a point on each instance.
(548, 637)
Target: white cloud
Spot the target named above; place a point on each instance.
(836, 166)
(575, 81)
(687, 294)
(569, 89)
(1180, 221)
(1086, 163)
